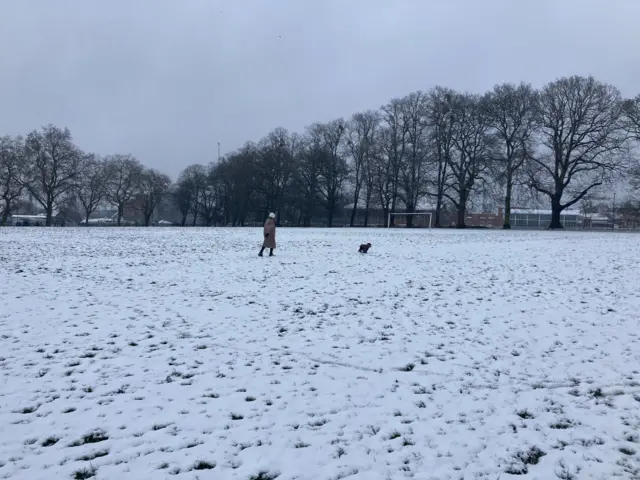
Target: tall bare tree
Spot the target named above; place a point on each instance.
(91, 185)
(334, 170)
(152, 187)
(187, 191)
(471, 156)
(441, 127)
(237, 174)
(307, 177)
(276, 168)
(182, 199)
(123, 174)
(414, 168)
(208, 196)
(361, 132)
(583, 141)
(12, 165)
(53, 164)
(511, 111)
(393, 145)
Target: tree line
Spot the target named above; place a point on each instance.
(558, 143)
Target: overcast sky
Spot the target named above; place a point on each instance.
(166, 80)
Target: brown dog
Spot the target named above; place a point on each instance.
(364, 248)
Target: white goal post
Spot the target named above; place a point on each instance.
(427, 223)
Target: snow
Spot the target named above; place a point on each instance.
(441, 354)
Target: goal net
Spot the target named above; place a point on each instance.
(418, 220)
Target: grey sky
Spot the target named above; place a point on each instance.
(167, 79)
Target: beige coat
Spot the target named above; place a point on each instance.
(269, 228)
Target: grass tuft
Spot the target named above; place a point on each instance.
(264, 475)
(84, 473)
(204, 465)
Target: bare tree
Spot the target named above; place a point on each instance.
(152, 186)
(187, 191)
(307, 177)
(91, 186)
(333, 170)
(361, 133)
(53, 164)
(123, 174)
(511, 112)
(414, 166)
(208, 196)
(275, 168)
(632, 116)
(471, 154)
(182, 199)
(582, 138)
(393, 142)
(441, 126)
(11, 174)
(196, 177)
(237, 175)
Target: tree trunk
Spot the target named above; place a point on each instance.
(393, 209)
(556, 210)
(353, 215)
(507, 205)
(184, 220)
(120, 214)
(356, 197)
(410, 209)
(439, 199)
(5, 216)
(147, 219)
(462, 210)
(49, 211)
(385, 214)
(86, 218)
(367, 207)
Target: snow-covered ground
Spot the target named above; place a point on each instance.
(178, 353)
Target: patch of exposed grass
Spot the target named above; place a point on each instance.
(525, 414)
(84, 473)
(531, 456)
(408, 367)
(204, 465)
(92, 456)
(264, 475)
(50, 441)
(95, 436)
(562, 424)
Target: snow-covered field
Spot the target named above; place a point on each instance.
(178, 353)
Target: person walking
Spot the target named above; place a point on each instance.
(269, 235)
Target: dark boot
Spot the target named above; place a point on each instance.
(271, 252)
(261, 250)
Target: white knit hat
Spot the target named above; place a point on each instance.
(272, 215)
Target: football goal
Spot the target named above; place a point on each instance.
(400, 219)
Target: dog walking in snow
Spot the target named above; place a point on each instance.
(364, 248)
(269, 235)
